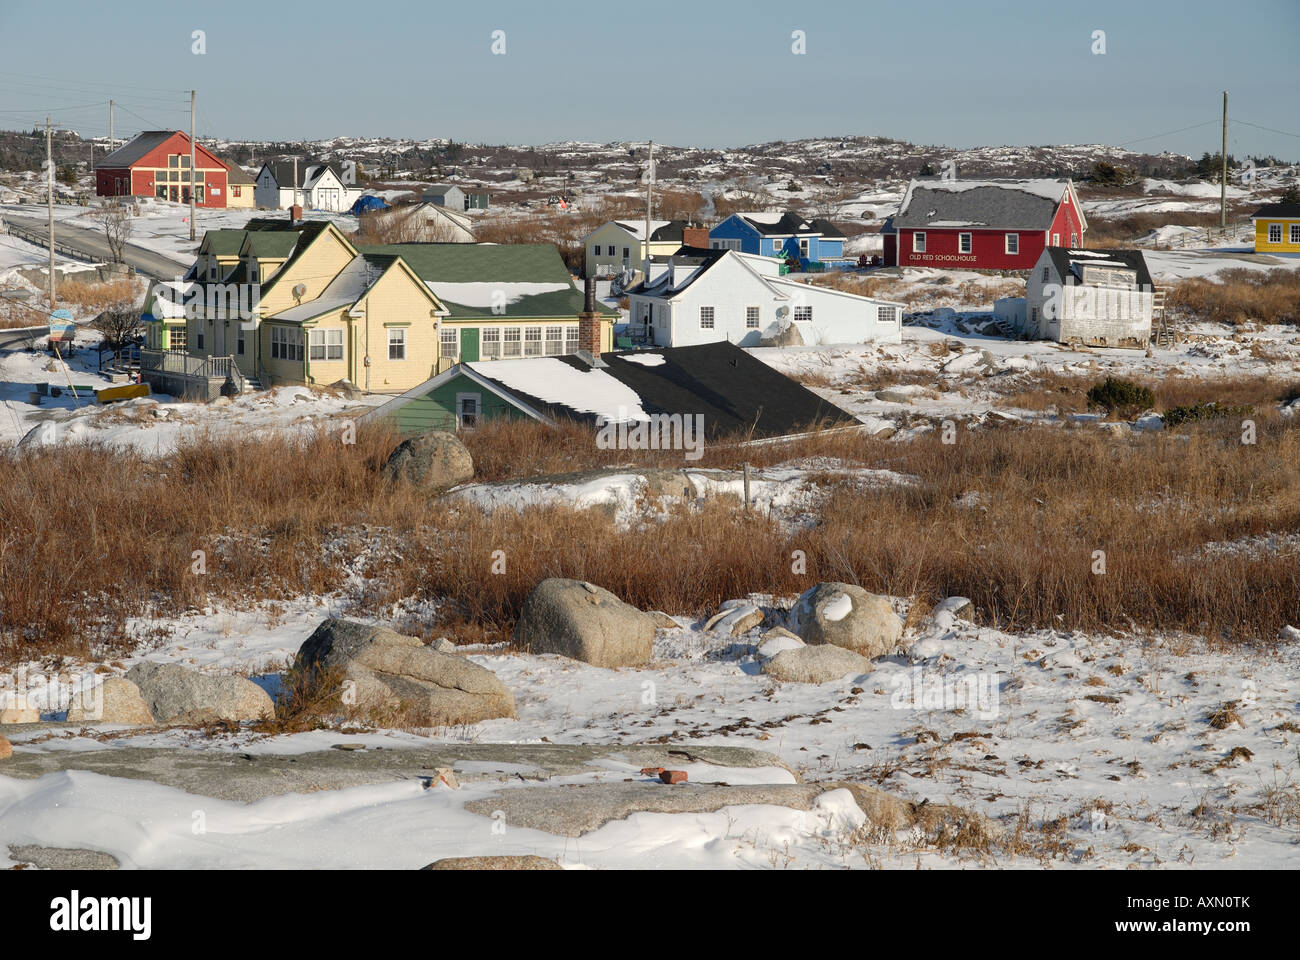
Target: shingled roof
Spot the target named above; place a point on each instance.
(1068, 262)
(1000, 204)
(131, 152)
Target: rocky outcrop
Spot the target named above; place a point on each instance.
(585, 622)
(847, 616)
(433, 461)
(176, 694)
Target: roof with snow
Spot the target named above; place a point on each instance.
(737, 395)
(1027, 204)
(780, 224)
(1070, 262)
(667, 231)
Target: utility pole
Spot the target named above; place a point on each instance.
(295, 188)
(111, 146)
(191, 164)
(49, 183)
(1223, 179)
(649, 190)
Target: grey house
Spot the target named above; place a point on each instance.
(446, 195)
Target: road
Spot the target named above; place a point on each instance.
(95, 247)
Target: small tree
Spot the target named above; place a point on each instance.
(120, 326)
(117, 228)
(1290, 195)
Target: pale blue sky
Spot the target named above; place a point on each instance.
(706, 72)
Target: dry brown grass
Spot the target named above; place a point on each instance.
(278, 519)
(95, 295)
(1240, 296)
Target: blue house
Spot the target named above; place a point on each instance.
(781, 235)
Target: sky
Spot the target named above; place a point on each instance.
(709, 73)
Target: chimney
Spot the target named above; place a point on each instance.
(295, 213)
(695, 237)
(589, 321)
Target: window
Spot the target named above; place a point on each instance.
(286, 343)
(489, 346)
(803, 314)
(239, 340)
(554, 341)
(1056, 239)
(706, 318)
(449, 342)
(751, 318)
(467, 410)
(723, 244)
(918, 242)
(1013, 243)
(571, 338)
(532, 341)
(1074, 239)
(510, 343)
(234, 190)
(613, 250)
(1275, 233)
(1295, 233)
(1033, 315)
(396, 343)
(887, 315)
(198, 340)
(627, 253)
(326, 345)
(176, 338)
(803, 249)
(963, 243)
(1046, 274)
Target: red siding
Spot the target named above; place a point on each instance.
(141, 178)
(988, 247)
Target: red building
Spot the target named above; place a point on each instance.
(157, 164)
(982, 224)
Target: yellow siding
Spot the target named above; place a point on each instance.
(319, 264)
(397, 298)
(1261, 236)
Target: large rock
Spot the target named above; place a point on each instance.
(434, 461)
(581, 620)
(846, 616)
(391, 671)
(116, 700)
(14, 710)
(176, 694)
(816, 664)
(526, 861)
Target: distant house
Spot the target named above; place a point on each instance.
(983, 224)
(1103, 298)
(621, 244)
(320, 186)
(426, 223)
(157, 164)
(1277, 228)
(705, 296)
(781, 235)
(240, 188)
(735, 394)
(454, 198)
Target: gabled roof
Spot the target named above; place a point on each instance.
(1069, 262)
(1027, 204)
(661, 231)
(784, 224)
(223, 243)
(441, 189)
(309, 171)
(238, 175)
(827, 229)
(472, 278)
(132, 151)
(1277, 210)
(663, 285)
(737, 395)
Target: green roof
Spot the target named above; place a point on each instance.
(436, 263)
(273, 243)
(224, 243)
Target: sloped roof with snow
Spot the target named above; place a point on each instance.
(1070, 262)
(1026, 204)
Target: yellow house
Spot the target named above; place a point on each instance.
(299, 303)
(239, 188)
(622, 243)
(1277, 228)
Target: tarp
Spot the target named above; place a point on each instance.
(366, 204)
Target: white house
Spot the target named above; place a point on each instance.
(321, 186)
(703, 296)
(427, 223)
(1101, 298)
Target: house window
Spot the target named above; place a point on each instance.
(887, 315)
(1056, 239)
(177, 338)
(489, 346)
(554, 341)
(706, 318)
(468, 408)
(532, 341)
(1295, 233)
(286, 343)
(1033, 315)
(198, 340)
(234, 191)
(1013, 243)
(510, 343)
(396, 343)
(571, 338)
(963, 243)
(751, 318)
(1275, 233)
(803, 249)
(803, 314)
(1074, 239)
(725, 244)
(239, 340)
(918, 242)
(627, 253)
(326, 345)
(449, 342)
(1046, 275)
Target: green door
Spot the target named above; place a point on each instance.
(468, 344)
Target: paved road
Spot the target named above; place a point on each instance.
(147, 263)
(17, 339)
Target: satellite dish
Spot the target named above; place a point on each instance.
(299, 290)
(782, 311)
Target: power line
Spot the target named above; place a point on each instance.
(10, 73)
(1170, 133)
(1269, 129)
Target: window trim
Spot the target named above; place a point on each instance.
(478, 410)
(400, 334)
(965, 242)
(918, 241)
(1006, 244)
(758, 315)
(712, 318)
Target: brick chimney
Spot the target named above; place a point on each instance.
(295, 213)
(589, 321)
(695, 237)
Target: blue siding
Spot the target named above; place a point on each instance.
(734, 228)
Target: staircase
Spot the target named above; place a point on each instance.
(1162, 335)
